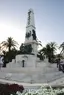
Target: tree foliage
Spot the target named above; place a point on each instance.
(11, 51)
(49, 51)
(62, 47)
(9, 44)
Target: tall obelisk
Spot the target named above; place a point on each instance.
(30, 36)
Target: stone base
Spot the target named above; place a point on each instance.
(29, 61)
(32, 75)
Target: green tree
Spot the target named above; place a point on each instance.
(10, 51)
(49, 51)
(9, 44)
(59, 56)
(62, 47)
(41, 55)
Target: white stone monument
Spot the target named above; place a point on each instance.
(28, 60)
(30, 36)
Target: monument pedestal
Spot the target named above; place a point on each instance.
(24, 60)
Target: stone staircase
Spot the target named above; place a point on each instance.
(32, 75)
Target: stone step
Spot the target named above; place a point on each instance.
(41, 78)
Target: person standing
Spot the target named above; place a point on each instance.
(58, 62)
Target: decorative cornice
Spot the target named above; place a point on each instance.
(30, 26)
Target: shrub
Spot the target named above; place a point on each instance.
(7, 89)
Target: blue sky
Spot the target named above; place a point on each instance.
(49, 19)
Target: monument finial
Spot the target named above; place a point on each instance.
(31, 10)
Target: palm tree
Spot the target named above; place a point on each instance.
(59, 56)
(40, 55)
(49, 50)
(9, 44)
(62, 47)
(53, 46)
(1, 49)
